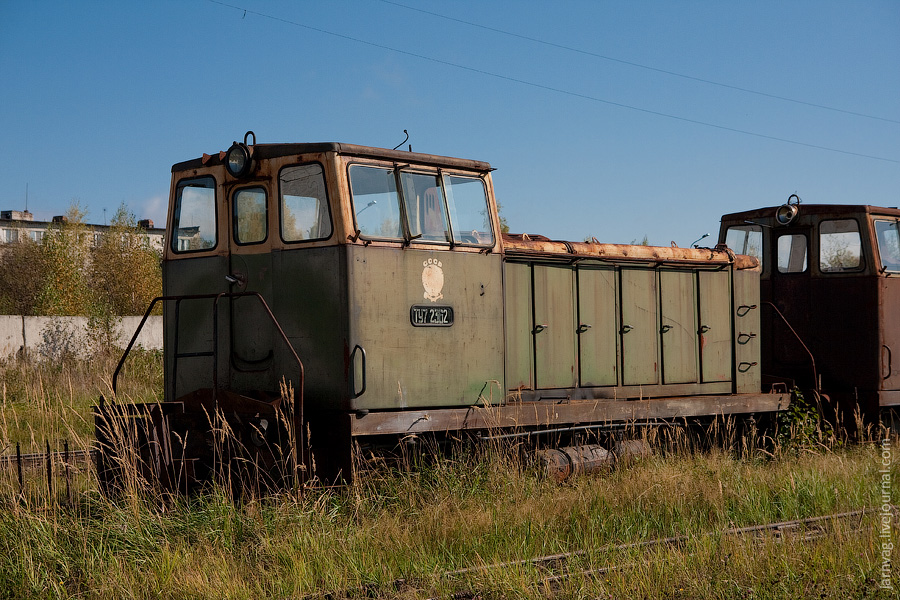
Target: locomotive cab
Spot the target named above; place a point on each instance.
(326, 234)
(830, 285)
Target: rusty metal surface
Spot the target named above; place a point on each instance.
(267, 151)
(538, 245)
(845, 319)
(562, 463)
(526, 414)
(823, 211)
(889, 308)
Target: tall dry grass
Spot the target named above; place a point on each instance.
(400, 528)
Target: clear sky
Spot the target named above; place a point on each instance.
(613, 119)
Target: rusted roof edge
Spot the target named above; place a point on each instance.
(815, 209)
(263, 151)
(520, 245)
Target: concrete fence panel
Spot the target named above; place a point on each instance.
(38, 335)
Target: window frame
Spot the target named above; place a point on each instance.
(441, 174)
(419, 238)
(327, 201)
(750, 228)
(176, 213)
(777, 265)
(357, 232)
(487, 207)
(862, 258)
(882, 267)
(234, 220)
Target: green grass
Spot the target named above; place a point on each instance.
(473, 507)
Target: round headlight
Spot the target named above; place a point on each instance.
(237, 160)
(786, 214)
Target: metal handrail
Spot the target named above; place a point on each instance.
(300, 450)
(799, 339)
(215, 298)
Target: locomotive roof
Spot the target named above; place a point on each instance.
(815, 209)
(263, 151)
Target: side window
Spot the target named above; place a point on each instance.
(888, 244)
(305, 214)
(194, 219)
(792, 253)
(376, 202)
(746, 239)
(250, 216)
(469, 213)
(425, 207)
(839, 246)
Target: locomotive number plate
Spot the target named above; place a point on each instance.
(431, 316)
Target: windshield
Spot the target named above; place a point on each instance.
(420, 206)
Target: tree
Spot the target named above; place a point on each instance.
(23, 275)
(504, 226)
(66, 251)
(125, 272)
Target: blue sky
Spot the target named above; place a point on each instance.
(100, 99)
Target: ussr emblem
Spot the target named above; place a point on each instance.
(433, 279)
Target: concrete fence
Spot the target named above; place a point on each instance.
(34, 334)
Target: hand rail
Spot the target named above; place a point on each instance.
(797, 335)
(353, 393)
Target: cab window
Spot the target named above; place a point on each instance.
(424, 203)
(746, 239)
(305, 214)
(194, 218)
(888, 244)
(376, 202)
(469, 214)
(792, 253)
(250, 216)
(839, 246)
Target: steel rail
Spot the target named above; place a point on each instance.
(778, 527)
(810, 527)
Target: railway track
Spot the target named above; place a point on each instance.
(41, 460)
(63, 463)
(558, 572)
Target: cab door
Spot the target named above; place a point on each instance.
(790, 292)
(251, 351)
(196, 263)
